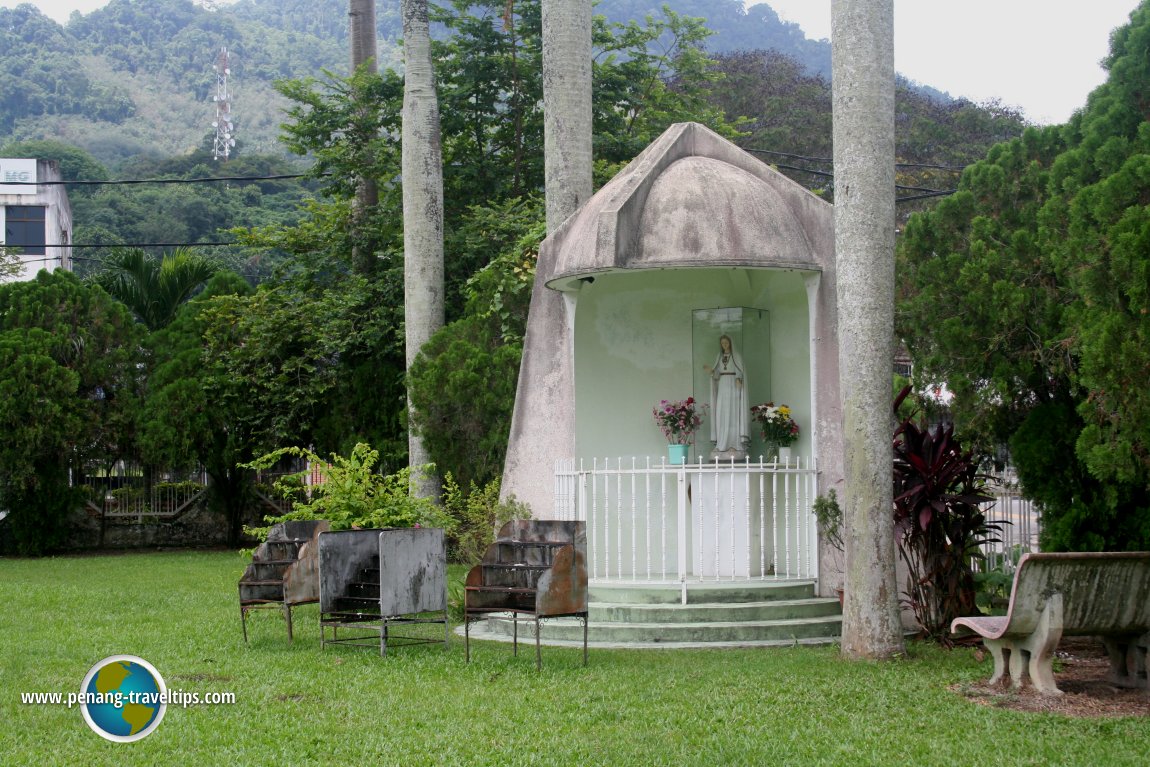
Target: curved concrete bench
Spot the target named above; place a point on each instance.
(1104, 594)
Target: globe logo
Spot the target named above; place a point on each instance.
(123, 698)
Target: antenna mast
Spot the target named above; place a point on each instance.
(222, 146)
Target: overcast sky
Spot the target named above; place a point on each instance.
(1033, 54)
(1038, 55)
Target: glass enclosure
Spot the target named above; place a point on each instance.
(731, 371)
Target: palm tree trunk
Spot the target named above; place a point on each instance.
(566, 107)
(547, 369)
(862, 53)
(361, 15)
(422, 169)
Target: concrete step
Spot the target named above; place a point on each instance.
(578, 644)
(564, 631)
(703, 592)
(714, 612)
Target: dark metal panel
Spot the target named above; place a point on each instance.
(412, 571)
(342, 555)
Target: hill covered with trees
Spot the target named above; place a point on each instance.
(125, 93)
(136, 78)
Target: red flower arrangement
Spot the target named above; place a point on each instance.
(678, 420)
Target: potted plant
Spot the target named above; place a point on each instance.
(678, 421)
(829, 518)
(778, 427)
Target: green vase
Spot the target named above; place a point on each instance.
(677, 454)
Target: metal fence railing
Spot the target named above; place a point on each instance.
(1020, 533)
(130, 491)
(721, 521)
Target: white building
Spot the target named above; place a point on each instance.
(695, 240)
(35, 217)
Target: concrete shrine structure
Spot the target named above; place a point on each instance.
(694, 239)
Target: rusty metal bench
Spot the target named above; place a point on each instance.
(375, 583)
(1104, 594)
(284, 571)
(535, 569)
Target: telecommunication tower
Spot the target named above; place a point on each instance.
(222, 146)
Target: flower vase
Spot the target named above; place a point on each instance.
(785, 454)
(677, 454)
(770, 452)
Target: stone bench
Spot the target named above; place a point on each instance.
(1104, 594)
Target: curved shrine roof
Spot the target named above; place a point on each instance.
(692, 199)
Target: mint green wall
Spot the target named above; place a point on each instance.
(633, 348)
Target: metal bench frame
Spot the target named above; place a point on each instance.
(559, 577)
(298, 583)
(411, 569)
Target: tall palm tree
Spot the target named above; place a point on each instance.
(566, 107)
(422, 169)
(567, 165)
(862, 63)
(361, 15)
(154, 289)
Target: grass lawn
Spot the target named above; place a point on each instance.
(296, 704)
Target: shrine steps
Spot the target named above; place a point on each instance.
(716, 615)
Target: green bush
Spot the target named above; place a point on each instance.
(352, 494)
(40, 525)
(187, 486)
(91, 494)
(475, 518)
(829, 516)
(126, 494)
(462, 384)
(69, 371)
(463, 392)
(1079, 511)
(993, 590)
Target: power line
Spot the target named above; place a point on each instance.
(823, 173)
(829, 161)
(284, 176)
(926, 192)
(139, 245)
(955, 168)
(201, 180)
(927, 196)
(153, 245)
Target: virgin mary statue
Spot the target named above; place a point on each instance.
(730, 421)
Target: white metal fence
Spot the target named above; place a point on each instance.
(725, 521)
(1020, 533)
(662, 523)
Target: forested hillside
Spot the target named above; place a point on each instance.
(136, 77)
(126, 93)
